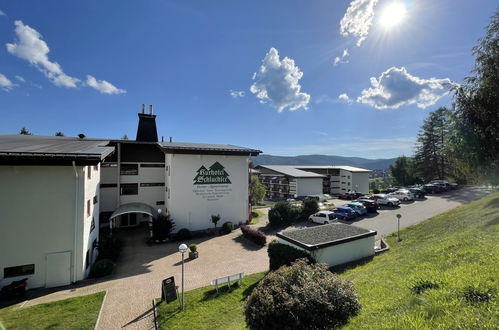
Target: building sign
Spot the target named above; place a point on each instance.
(216, 174)
(213, 183)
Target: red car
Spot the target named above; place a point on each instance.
(351, 195)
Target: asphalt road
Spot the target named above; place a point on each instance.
(385, 222)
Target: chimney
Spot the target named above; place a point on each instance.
(143, 108)
(146, 131)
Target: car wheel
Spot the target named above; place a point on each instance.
(405, 199)
(390, 204)
(325, 222)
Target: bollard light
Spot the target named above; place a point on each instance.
(182, 248)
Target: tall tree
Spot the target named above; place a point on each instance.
(403, 171)
(257, 190)
(124, 137)
(59, 134)
(477, 108)
(430, 158)
(24, 131)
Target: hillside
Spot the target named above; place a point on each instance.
(373, 164)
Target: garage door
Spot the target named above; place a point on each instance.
(58, 269)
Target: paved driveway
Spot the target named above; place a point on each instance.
(137, 279)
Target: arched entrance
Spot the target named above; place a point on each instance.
(131, 208)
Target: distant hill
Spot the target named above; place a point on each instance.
(373, 164)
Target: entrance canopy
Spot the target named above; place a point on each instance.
(134, 208)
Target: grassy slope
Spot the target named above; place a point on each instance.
(457, 249)
(73, 313)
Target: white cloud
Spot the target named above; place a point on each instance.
(236, 94)
(32, 48)
(21, 79)
(103, 86)
(396, 87)
(344, 97)
(2, 13)
(278, 82)
(340, 59)
(358, 19)
(5, 83)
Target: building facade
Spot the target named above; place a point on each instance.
(56, 192)
(291, 181)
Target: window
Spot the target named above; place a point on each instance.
(108, 165)
(19, 270)
(129, 169)
(96, 168)
(88, 208)
(108, 185)
(152, 184)
(92, 225)
(129, 189)
(87, 257)
(160, 203)
(96, 200)
(89, 172)
(152, 165)
(349, 183)
(348, 177)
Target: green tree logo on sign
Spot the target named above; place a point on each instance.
(216, 174)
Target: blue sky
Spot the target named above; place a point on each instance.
(216, 71)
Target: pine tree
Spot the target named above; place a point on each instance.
(24, 131)
(430, 158)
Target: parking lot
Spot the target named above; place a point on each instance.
(385, 221)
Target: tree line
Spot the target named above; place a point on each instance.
(461, 143)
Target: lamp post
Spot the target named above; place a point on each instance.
(398, 230)
(182, 248)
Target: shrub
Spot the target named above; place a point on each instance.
(310, 206)
(109, 248)
(227, 227)
(162, 227)
(422, 285)
(183, 233)
(301, 296)
(101, 268)
(215, 219)
(193, 247)
(254, 235)
(285, 255)
(283, 214)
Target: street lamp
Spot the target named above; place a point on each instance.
(182, 248)
(398, 220)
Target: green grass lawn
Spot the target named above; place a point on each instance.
(458, 251)
(256, 220)
(73, 313)
(207, 309)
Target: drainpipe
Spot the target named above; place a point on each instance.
(75, 220)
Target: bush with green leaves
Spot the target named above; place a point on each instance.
(101, 268)
(227, 227)
(162, 227)
(183, 233)
(254, 234)
(283, 214)
(301, 296)
(310, 206)
(284, 255)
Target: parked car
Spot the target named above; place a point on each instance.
(351, 195)
(384, 199)
(344, 212)
(453, 185)
(323, 217)
(433, 189)
(417, 192)
(290, 200)
(403, 195)
(390, 190)
(359, 208)
(371, 206)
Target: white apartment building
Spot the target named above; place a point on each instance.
(56, 192)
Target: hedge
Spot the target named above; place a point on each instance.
(254, 235)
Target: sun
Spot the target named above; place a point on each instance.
(393, 14)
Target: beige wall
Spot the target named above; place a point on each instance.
(37, 212)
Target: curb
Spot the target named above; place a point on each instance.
(100, 311)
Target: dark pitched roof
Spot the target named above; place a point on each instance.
(205, 148)
(317, 237)
(48, 150)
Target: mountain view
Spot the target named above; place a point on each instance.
(372, 164)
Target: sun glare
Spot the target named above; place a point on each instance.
(393, 14)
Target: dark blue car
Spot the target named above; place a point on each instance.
(345, 213)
